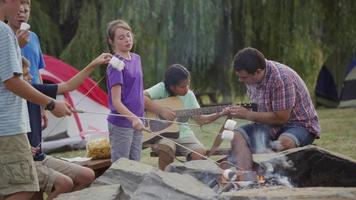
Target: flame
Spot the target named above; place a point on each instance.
(261, 179)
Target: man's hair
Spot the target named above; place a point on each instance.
(174, 75)
(249, 59)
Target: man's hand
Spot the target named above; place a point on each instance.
(61, 109)
(23, 37)
(238, 112)
(167, 114)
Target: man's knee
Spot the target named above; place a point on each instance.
(286, 143)
(238, 140)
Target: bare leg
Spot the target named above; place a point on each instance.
(164, 159)
(195, 156)
(242, 152)
(20, 195)
(286, 143)
(85, 177)
(37, 196)
(62, 184)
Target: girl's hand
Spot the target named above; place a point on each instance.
(137, 124)
(104, 58)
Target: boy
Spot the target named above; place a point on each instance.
(57, 176)
(18, 178)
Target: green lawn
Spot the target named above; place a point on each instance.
(338, 134)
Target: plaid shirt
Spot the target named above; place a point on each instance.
(282, 89)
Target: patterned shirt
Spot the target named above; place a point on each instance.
(282, 89)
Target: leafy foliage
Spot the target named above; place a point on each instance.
(203, 35)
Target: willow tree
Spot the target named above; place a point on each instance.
(203, 35)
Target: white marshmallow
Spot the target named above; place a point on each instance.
(25, 26)
(230, 124)
(229, 175)
(117, 63)
(227, 135)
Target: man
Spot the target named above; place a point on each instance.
(285, 113)
(18, 178)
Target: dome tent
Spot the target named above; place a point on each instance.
(70, 130)
(336, 83)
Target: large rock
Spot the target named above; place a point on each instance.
(128, 173)
(159, 185)
(311, 166)
(106, 192)
(205, 171)
(278, 193)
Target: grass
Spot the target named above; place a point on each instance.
(338, 134)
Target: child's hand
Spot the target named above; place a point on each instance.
(34, 150)
(104, 58)
(23, 37)
(137, 124)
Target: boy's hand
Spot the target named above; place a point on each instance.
(44, 119)
(104, 58)
(34, 150)
(61, 109)
(23, 37)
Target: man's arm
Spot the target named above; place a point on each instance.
(26, 91)
(271, 118)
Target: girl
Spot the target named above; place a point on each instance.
(176, 83)
(125, 89)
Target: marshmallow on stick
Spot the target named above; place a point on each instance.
(230, 124)
(227, 135)
(117, 63)
(25, 26)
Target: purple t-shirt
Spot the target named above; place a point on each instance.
(131, 81)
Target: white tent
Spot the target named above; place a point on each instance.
(69, 131)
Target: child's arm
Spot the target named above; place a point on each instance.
(122, 109)
(26, 91)
(78, 79)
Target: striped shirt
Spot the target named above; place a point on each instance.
(282, 89)
(13, 109)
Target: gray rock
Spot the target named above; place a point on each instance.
(282, 193)
(164, 185)
(107, 192)
(311, 166)
(128, 173)
(205, 171)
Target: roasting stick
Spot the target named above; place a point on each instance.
(130, 116)
(165, 138)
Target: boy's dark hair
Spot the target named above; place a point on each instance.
(249, 59)
(174, 75)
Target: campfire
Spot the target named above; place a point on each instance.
(230, 181)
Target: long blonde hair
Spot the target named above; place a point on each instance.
(110, 31)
